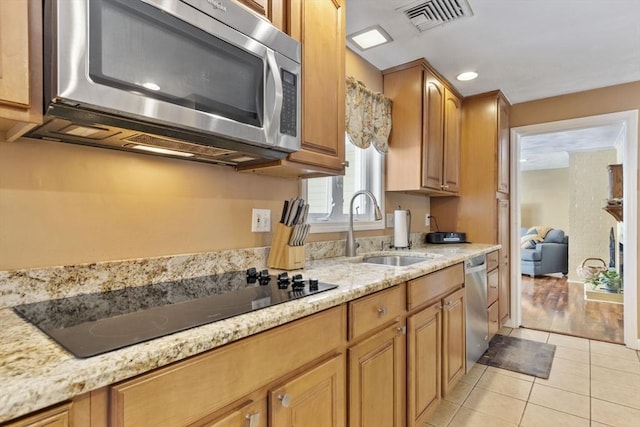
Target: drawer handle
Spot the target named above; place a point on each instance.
(253, 418)
(493, 287)
(285, 400)
(382, 311)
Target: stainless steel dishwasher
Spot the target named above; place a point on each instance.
(477, 324)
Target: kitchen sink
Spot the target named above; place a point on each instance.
(394, 260)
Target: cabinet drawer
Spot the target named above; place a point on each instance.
(492, 260)
(435, 285)
(493, 280)
(494, 319)
(191, 390)
(370, 312)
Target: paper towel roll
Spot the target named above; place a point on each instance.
(400, 229)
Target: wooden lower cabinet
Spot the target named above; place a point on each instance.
(314, 399)
(424, 360)
(453, 340)
(58, 416)
(202, 386)
(436, 351)
(377, 379)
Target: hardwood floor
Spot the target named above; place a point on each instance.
(553, 304)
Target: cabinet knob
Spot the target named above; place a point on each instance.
(382, 311)
(402, 330)
(285, 400)
(253, 419)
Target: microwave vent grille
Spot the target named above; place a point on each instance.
(432, 13)
(154, 140)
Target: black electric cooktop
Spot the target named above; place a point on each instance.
(91, 324)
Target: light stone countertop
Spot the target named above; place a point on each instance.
(35, 372)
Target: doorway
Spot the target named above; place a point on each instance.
(628, 150)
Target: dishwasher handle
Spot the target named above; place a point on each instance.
(475, 269)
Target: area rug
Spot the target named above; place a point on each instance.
(519, 355)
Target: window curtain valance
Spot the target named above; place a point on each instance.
(368, 117)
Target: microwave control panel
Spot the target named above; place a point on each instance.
(289, 116)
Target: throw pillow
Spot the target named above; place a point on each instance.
(529, 241)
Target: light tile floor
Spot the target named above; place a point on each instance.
(591, 384)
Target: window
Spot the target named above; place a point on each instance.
(329, 197)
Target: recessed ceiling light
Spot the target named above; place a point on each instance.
(468, 75)
(370, 37)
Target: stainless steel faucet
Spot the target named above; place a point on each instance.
(351, 244)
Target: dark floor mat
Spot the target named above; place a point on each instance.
(519, 355)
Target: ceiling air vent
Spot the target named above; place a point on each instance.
(431, 13)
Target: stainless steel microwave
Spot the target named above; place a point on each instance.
(207, 80)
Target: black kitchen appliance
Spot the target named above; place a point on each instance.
(91, 324)
(446, 237)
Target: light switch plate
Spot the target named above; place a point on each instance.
(261, 220)
(389, 220)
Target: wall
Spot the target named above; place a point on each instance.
(544, 198)
(64, 204)
(610, 99)
(589, 225)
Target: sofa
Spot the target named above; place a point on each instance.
(544, 253)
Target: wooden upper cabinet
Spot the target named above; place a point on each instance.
(452, 126)
(503, 146)
(424, 146)
(319, 25)
(20, 67)
(433, 122)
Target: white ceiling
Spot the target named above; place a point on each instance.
(530, 49)
(551, 150)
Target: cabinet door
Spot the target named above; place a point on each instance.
(14, 53)
(504, 296)
(314, 399)
(20, 67)
(452, 127)
(424, 349)
(271, 9)
(432, 121)
(453, 340)
(56, 417)
(320, 26)
(377, 380)
(494, 319)
(503, 146)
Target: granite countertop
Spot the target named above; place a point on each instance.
(35, 372)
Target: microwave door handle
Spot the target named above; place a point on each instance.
(271, 126)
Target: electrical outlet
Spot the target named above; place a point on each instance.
(261, 220)
(389, 220)
(427, 220)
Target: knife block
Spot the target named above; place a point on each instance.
(281, 255)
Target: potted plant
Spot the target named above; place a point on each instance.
(611, 280)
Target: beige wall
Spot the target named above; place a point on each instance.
(65, 204)
(611, 99)
(589, 225)
(544, 198)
